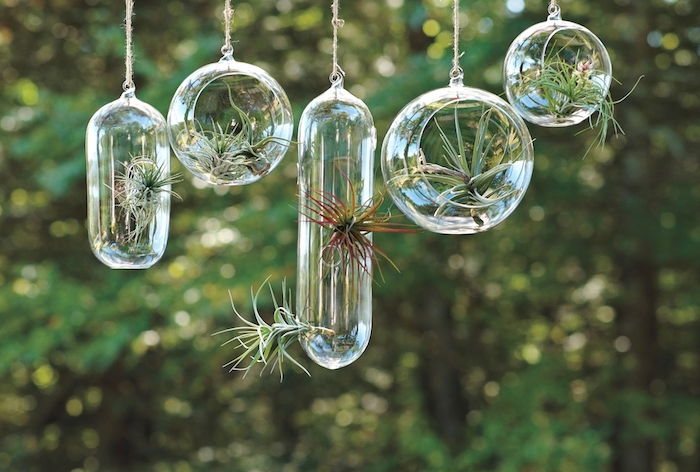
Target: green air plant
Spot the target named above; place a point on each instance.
(268, 343)
(474, 177)
(138, 191)
(348, 225)
(229, 153)
(567, 86)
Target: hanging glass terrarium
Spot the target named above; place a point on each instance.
(336, 255)
(128, 178)
(337, 140)
(557, 73)
(230, 123)
(457, 160)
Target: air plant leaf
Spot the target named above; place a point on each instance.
(348, 225)
(138, 191)
(264, 343)
(477, 181)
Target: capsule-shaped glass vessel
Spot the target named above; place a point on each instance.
(128, 183)
(337, 140)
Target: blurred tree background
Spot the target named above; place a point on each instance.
(567, 339)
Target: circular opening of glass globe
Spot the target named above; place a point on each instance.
(556, 73)
(230, 123)
(457, 160)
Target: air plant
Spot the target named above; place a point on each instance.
(229, 153)
(348, 225)
(568, 86)
(268, 343)
(473, 178)
(138, 191)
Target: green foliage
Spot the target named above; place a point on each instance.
(564, 339)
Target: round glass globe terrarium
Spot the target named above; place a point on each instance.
(557, 73)
(230, 123)
(457, 160)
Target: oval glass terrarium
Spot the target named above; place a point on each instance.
(129, 183)
(230, 123)
(457, 160)
(337, 140)
(557, 73)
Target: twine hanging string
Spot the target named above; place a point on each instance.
(128, 85)
(554, 11)
(456, 74)
(338, 73)
(227, 48)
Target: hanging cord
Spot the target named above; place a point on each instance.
(128, 85)
(338, 73)
(227, 49)
(554, 11)
(456, 74)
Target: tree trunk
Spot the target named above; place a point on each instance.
(441, 385)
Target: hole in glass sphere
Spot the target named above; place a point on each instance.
(556, 73)
(457, 160)
(230, 123)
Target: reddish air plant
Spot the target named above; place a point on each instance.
(348, 226)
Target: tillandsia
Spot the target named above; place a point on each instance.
(139, 190)
(475, 176)
(570, 85)
(348, 225)
(230, 153)
(268, 343)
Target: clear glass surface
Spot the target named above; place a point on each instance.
(128, 154)
(230, 123)
(556, 73)
(457, 160)
(337, 140)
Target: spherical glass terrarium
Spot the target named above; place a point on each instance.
(457, 160)
(337, 140)
(557, 73)
(230, 123)
(129, 183)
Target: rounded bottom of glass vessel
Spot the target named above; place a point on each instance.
(455, 225)
(117, 258)
(542, 117)
(333, 352)
(441, 213)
